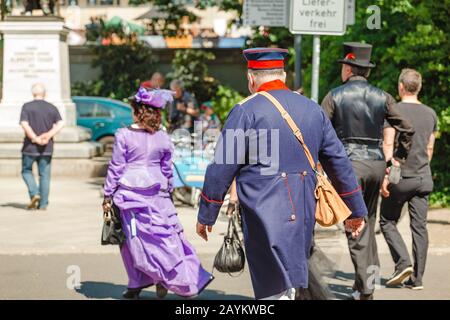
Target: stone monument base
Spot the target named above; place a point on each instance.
(71, 168)
(73, 154)
(35, 50)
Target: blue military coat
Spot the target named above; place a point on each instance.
(277, 200)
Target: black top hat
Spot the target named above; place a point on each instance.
(357, 54)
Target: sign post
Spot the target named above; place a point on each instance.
(315, 69)
(318, 17)
(274, 13)
(298, 81)
(315, 17)
(350, 12)
(270, 13)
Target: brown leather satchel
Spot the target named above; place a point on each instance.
(330, 209)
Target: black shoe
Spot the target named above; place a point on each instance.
(399, 276)
(132, 293)
(161, 291)
(410, 284)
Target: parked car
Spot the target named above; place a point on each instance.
(103, 117)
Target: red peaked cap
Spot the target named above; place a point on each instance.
(265, 58)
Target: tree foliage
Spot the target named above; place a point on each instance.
(224, 100)
(123, 66)
(414, 34)
(190, 66)
(174, 12)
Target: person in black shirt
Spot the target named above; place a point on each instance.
(184, 110)
(40, 121)
(414, 187)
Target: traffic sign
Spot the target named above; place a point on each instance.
(318, 17)
(270, 13)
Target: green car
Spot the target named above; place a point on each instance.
(103, 117)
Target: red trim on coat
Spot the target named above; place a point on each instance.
(351, 192)
(286, 182)
(265, 64)
(210, 200)
(273, 85)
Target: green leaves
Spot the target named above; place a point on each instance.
(191, 66)
(122, 69)
(224, 100)
(172, 15)
(413, 35)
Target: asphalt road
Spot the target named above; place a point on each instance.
(56, 254)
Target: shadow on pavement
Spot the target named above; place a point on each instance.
(341, 292)
(351, 276)
(442, 222)
(98, 182)
(344, 275)
(105, 290)
(101, 290)
(15, 205)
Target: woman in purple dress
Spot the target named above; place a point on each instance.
(139, 182)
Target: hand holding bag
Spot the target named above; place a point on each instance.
(330, 208)
(231, 256)
(112, 232)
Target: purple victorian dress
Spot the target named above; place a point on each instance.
(140, 181)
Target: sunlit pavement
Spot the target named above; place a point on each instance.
(44, 253)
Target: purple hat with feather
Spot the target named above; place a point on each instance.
(154, 98)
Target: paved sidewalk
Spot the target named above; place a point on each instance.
(73, 221)
(437, 273)
(38, 248)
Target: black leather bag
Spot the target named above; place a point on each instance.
(231, 256)
(112, 232)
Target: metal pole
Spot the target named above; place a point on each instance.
(3, 9)
(298, 61)
(315, 69)
(58, 8)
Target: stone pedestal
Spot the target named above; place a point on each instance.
(35, 50)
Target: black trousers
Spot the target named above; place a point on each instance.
(415, 192)
(363, 250)
(31, 5)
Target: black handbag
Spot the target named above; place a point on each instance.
(231, 256)
(112, 232)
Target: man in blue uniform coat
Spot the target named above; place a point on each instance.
(275, 182)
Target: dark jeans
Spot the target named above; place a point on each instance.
(44, 166)
(415, 191)
(363, 250)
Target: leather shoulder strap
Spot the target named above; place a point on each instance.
(291, 123)
(247, 99)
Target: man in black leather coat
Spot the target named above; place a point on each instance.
(358, 112)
